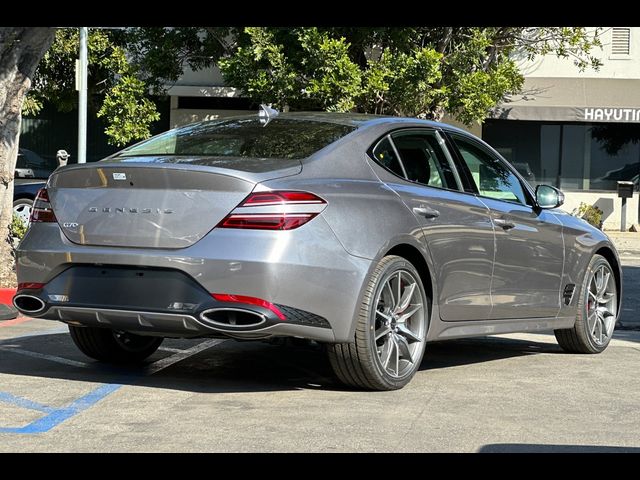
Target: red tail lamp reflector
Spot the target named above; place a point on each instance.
(225, 297)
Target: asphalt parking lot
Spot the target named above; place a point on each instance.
(504, 393)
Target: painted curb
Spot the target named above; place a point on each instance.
(6, 295)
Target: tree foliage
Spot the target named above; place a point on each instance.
(21, 48)
(115, 90)
(419, 72)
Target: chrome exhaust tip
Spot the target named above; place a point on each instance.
(28, 304)
(232, 318)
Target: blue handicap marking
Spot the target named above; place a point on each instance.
(55, 416)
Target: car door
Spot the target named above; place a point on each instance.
(456, 226)
(529, 253)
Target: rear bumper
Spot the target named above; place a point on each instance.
(304, 272)
(157, 301)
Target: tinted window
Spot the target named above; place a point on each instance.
(280, 138)
(491, 177)
(384, 154)
(423, 159)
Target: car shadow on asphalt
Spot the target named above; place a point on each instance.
(231, 366)
(451, 353)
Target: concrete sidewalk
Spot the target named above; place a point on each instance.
(627, 243)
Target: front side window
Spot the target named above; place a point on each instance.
(423, 159)
(491, 177)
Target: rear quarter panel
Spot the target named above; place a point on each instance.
(367, 217)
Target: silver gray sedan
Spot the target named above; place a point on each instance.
(371, 235)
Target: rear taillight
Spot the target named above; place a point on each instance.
(42, 211)
(277, 210)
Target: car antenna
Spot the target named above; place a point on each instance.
(266, 113)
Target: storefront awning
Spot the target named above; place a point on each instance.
(574, 100)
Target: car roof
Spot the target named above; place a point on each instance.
(357, 120)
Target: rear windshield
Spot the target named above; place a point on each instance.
(249, 138)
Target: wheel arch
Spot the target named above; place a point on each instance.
(612, 258)
(412, 254)
(408, 248)
(23, 196)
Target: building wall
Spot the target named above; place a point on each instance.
(614, 66)
(609, 203)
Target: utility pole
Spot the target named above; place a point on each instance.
(81, 85)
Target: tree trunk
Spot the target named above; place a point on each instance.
(21, 49)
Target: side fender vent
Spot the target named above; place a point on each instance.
(568, 293)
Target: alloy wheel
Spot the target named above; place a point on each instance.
(399, 323)
(23, 212)
(601, 304)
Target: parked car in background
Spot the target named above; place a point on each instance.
(24, 193)
(31, 165)
(372, 235)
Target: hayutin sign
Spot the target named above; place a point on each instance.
(611, 115)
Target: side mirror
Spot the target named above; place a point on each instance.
(548, 196)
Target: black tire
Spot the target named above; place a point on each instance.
(578, 339)
(114, 347)
(357, 363)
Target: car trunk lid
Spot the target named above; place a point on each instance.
(150, 205)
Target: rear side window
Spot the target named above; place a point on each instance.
(241, 138)
(386, 156)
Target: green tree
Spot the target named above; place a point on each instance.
(116, 91)
(20, 51)
(422, 72)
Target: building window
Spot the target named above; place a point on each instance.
(620, 42)
(571, 156)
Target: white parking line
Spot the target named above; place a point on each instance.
(171, 350)
(44, 356)
(167, 362)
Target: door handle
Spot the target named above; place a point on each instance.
(504, 224)
(426, 212)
